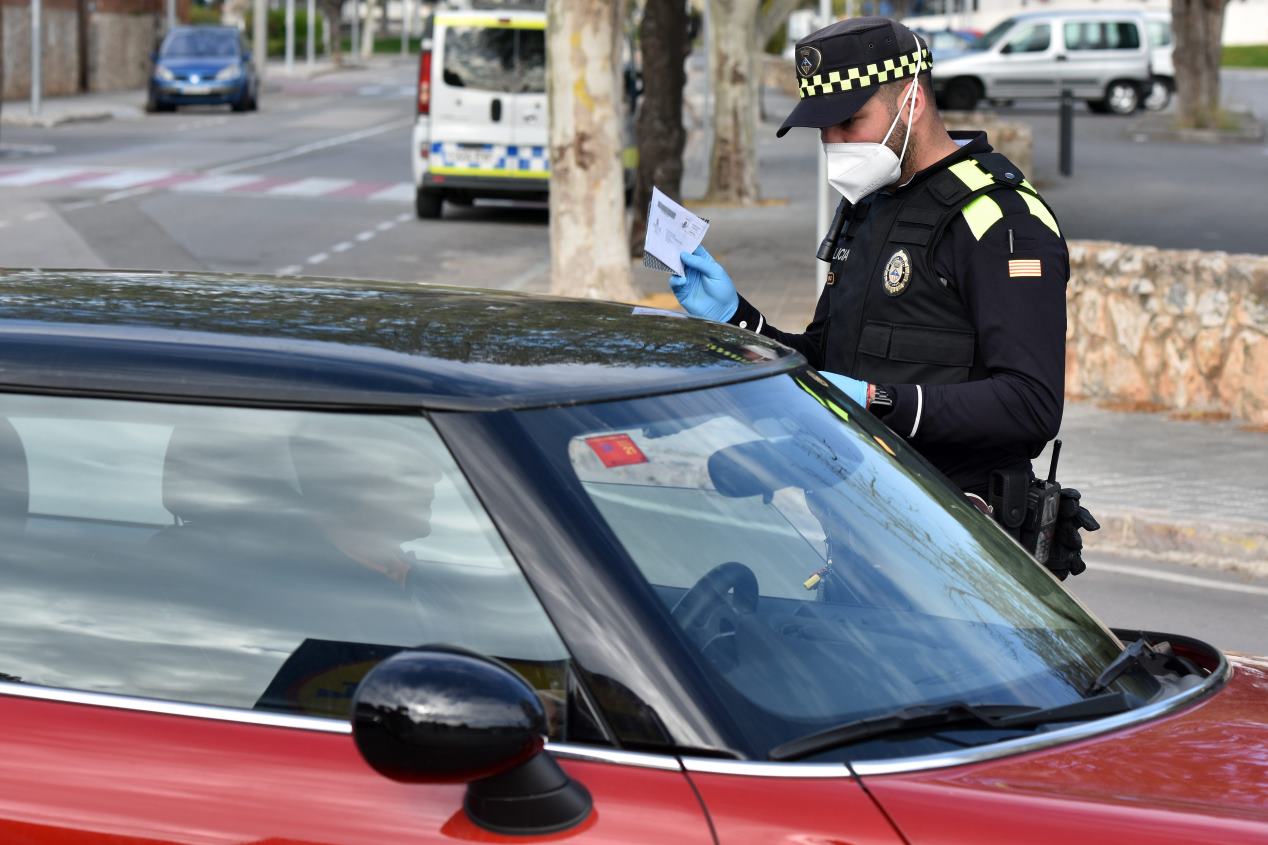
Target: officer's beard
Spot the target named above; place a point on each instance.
(895, 143)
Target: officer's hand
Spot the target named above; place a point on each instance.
(706, 291)
(851, 387)
(1066, 556)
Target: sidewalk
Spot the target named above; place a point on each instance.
(1179, 491)
(130, 104)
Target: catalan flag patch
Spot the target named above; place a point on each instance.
(1019, 268)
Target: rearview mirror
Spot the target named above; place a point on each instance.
(442, 714)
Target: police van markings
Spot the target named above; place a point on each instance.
(516, 161)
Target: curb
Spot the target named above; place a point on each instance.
(48, 121)
(1233, 545)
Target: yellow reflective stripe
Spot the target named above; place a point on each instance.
(839, 411)
(442, 170)
(973, 176)
(982, 214)
(629, 158)
(1041, 211)
(1025, 183)
(491, 21)
(827, 403)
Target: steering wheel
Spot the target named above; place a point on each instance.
(707, 612)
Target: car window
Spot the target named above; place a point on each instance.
(199, 44)
(1029, 38)
(498, 59)
(246, 558)
(1160, 33)
(1101, 35)
(994, 35)
(871, 585)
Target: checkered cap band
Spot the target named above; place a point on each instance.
(863, 76)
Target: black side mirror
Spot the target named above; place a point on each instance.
(442, 714)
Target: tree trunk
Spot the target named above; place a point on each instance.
(332, 9)
(369, 28)
(1198, 26)
(661, 135)
(733, 78)
(588, 248)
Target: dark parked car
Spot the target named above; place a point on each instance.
(203, 65)
(325, 562)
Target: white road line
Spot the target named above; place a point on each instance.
(216, 183)
(318, 258)
(404, 217)
(291, 270)
(35, 215)
(342, 246)
(313, 187)
(386, 225)
(76, 206)
(305, 149)
(365, 236)
(1176, 578)
(36, 175)
(4, 224)
(126, 179)
(400, 192)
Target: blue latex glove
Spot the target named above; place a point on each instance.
(851, 387)
(706, 291)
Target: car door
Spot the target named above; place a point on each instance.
(1100, 51)
(189, 596)
(1025, 63)
(474, 84)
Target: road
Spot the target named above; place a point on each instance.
(315, 183)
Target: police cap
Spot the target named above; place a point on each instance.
(840, 66)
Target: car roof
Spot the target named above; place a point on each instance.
(325, 342)
(1079, 13)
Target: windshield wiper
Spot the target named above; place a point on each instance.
(1156, 660)
(996, 716)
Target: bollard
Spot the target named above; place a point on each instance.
(1067, 132)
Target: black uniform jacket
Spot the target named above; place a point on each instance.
(1012, 406)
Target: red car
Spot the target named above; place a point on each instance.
(327, 563)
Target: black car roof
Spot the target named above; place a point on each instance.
(323, 342)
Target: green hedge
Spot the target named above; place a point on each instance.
(277, 32)
(1251, 55)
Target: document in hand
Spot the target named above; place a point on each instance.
(671, 230)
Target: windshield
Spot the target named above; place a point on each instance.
(189, 44)
(991, 38)
(816, 568)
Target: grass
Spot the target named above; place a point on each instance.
(1250, 55)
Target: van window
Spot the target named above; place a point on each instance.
(1160, 33)
(495, 59)
(1102, 35)
(1029, 38)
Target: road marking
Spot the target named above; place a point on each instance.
(365, 236)
(216, 183)
(291, 270)
(4, 224)
(36, 175)
(404, 217)
(318, 258)
(35, 215)
(126, 179)
(400, 192)
(76, 206)
(1176, 578)
(305, 149)
(386, 225)
(342, 246)
(312, 187)
(123, 195)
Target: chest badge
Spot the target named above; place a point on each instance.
(897, 273)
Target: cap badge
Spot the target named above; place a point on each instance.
(897, 273)
(808, 60)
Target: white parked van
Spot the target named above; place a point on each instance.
(1161, 45)
(1102, 57)
(481, 129)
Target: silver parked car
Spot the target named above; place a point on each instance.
(1102, 57)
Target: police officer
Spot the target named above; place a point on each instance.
(943, 311)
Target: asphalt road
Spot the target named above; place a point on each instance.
(237, 194)
(315, 183)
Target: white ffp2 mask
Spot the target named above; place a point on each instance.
(859, 169)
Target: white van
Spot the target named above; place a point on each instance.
(481, 127)
(1161, 46)
(1102, 57)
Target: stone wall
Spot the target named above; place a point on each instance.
(119, 48)
(1169, 329)
(59, 68)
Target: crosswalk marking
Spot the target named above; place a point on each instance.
(125, 179)
(312, 187)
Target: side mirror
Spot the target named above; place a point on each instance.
(442, 714)
(1006, 49)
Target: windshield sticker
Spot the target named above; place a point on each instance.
(884, 445)
(827, 403)
(616, 450)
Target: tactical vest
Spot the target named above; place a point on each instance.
(891, 319)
